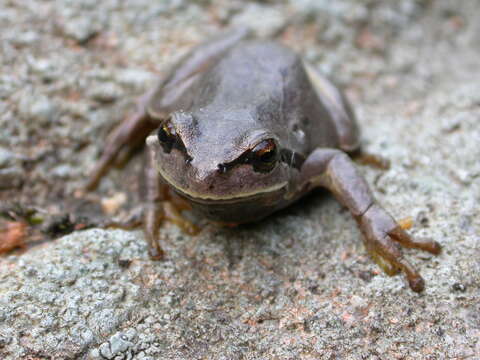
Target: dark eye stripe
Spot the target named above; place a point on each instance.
(166, 138)
(291, 158)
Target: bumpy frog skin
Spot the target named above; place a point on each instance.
(240, 128)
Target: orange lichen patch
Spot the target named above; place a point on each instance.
(406, 223)
(12, 236)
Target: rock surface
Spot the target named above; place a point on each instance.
(296, 286)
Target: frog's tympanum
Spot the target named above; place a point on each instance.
(241, 128)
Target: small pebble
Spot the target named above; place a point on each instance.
(112, 204)
(458, 287)
(106, 92)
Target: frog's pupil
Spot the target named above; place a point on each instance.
(268, 156)
(264, 156)
(266, 151)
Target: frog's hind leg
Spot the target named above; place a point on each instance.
(338, 107)
(383, 236)
(125, 137)
(344, 120)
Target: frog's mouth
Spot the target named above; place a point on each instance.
(235, 210)
(223, 198)
(273, 191)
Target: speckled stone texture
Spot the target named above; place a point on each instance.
(299, 285)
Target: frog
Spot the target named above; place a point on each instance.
(242, 127)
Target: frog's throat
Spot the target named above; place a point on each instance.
(212, 197)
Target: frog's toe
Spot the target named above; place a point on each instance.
(387, 267)
(401, 236)
(392, 261)
(152, 235)
(384, 240)
(156, 252)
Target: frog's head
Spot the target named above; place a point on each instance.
(220, 158)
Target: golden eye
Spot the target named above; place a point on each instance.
(264, 156)
(265, 151)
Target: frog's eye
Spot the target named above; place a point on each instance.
(167, 136)
(264, 156)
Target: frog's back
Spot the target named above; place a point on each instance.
(251, 73)
(269, 81)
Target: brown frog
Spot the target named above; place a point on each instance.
(241, 128)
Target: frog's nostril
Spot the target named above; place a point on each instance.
(211, 187)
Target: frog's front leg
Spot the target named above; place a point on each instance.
(160, 207)
(334, 170)
(153, 209)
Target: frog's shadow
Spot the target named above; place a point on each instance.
(237, 241)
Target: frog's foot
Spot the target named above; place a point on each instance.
(155, 215)
(383, 239)
(173, 214)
